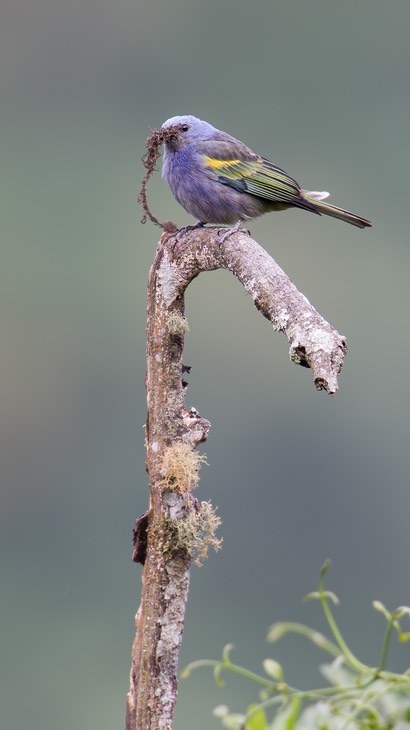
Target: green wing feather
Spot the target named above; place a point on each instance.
(234, 164)
(238, 167)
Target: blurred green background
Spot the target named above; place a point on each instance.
(322, 88)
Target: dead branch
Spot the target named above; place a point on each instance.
(168, 536)
(314, 343)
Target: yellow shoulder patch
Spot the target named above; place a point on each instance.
(219, 164)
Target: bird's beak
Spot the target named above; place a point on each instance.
(170, 137)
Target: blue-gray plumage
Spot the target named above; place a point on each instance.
(218, 179)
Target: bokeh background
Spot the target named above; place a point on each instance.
(322, 88)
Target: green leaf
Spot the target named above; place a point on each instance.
(257, 719)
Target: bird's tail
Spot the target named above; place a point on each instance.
(333, 211)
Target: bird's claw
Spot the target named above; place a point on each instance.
(229, 232)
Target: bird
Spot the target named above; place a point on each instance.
(219, 180)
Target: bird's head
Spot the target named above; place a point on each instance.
(188, 130)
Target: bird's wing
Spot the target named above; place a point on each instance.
(235, 165)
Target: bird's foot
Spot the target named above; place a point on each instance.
(229, 232)
(186, 229)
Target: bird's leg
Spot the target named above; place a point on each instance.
(185, 229)
(230, 231)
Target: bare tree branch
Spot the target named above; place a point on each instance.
(313, 342)
(162, 541)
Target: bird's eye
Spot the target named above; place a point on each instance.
(184, 127)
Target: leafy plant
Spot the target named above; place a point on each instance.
(358, 697)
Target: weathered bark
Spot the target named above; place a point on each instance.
(165, 579)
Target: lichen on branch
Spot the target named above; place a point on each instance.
(180, 468)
